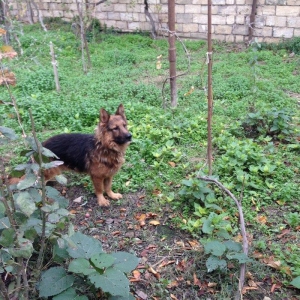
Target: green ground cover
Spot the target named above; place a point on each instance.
(255, 131)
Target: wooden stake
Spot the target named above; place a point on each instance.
(55, 71)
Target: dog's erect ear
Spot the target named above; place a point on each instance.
(104, 115)
(120, 111)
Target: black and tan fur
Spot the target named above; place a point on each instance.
(100, 155)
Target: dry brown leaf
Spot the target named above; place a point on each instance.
(257, 254)
(172, 164)
(283, 233)
(262, 219)
(116, 233)
(166, 263)
(212, 284)
(190, 91)
(248, 288)
(136, 276)
(154, 222)
(7, 77)
(73, 211)
(142, 219)
(275, 286)
(173, 297)
(172, 284)
(156, 274)
(194, 243)
(2, 31)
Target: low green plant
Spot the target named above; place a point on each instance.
(293, 219)
(33, 217)
(276, 123)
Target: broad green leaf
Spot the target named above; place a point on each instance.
(25, 203)
(241, 257)
(84, 246)
(187, 182)
(207, 226)
(53, 218)
(233, 246)
(124, 261)
(69, 294)
(9, 133)
(215, 248)
(102, 260)
(52, 164)
(113, 281)
(7, 237)
(27, 182)
(296, 282)
(25, 250)
(48, 153)
(54, 281)
(4, 223)
(61, 179)
(2, 210)
(55, 195)
(81, 266)
(129, 297)
(214, 263)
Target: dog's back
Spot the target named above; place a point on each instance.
(72, 149)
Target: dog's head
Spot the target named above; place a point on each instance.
(114, 128)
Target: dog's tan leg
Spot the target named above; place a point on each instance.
(109, 192)
(99, 189)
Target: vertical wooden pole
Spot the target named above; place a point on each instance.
(54, 64)
(209, 92)
(172, 51)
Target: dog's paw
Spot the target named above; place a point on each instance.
(102, 201)
(114, 196)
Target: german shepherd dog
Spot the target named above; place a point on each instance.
(100, 155)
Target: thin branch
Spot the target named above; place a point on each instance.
(3, 289)
(242, 226)
(43, 182)
(40, 17)
(147, 13)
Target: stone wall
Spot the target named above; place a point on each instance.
(274, 19)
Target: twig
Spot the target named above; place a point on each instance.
(39, 14)
(3, 289)
(40, 162)
(242, 226)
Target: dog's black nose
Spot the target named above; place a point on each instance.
(128, 137)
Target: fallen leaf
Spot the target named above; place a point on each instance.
(2, 31)
(172, 164)
(275, 286)
(136, 276)
(262, 219)
(142, 295)
(141, 218)
(212, 284)
(189, 92)
(194, 243)
(173, 297)
(283, 233)
(172, 284)
(248, 288)
(156, 274)
(116, 233)
(78, 200)
(164, 264)
(122, 209)
(73, 211)
(154, 222)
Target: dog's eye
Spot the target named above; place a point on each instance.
(115, 128)
(125, 125)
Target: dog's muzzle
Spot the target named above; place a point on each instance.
(124, 139)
